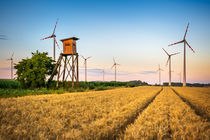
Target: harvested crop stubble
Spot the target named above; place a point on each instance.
(168, 117)
(91, 115)
(198, 97)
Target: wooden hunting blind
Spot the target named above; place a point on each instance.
(69, 45)
(67, 65)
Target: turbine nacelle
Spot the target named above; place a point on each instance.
(54, 37)
(169, 55)
(85, 63)
(184, 40)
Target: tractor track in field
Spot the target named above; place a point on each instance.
(193, 107)
(132, 120)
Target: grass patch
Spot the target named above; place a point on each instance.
(25, 92)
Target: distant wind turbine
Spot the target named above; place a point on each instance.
(85, 63)
(169, 61)
(54, 40)
(115, 66)
(185, 42)
(180, 75)
(11, 59)
(103, 74)
(159, 70)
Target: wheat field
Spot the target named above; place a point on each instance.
(147, 112)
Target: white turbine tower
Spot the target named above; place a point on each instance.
(85, 63)
(169, 61)
(11, 59)
(115, 66)
(180, 75)
(103, 72)
(159, 70)
(185, 42)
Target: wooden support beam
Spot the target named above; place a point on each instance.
(77, 79)
(57, 83)
(66, 63)
(64, 70)
(72, 79)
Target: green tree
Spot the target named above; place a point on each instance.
(31, 73)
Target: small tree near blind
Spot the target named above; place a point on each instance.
(32, 72)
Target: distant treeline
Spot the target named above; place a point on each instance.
(98, 85)
(14, 84)
(188, 84)
(12, 88)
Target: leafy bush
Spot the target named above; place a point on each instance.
(32, 72)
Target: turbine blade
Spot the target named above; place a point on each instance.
(12, 54)
(117, 64)
(57, 44)
(186, 31)
(175, 53)
(46, 38)
(165, 51)
(89, 57)
(82, 57)
(55, 27)
(190, 47)
(176, 43)
(114, 60)
(112, 66)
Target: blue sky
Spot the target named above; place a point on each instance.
(132, 31)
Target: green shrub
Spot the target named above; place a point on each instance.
(32, 72)
(91, 86)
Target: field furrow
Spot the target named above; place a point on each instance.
(197, 98)
(168, 117)
(92, 115)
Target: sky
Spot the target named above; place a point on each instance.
(132, 31)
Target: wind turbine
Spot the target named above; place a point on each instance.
(159, 70)
(11, 59)
(185, 42)
(85, 63)
(54, 40)
(169, 61)
(103, 74)
(180, 75)
(115, 66)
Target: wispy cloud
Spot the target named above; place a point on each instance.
(6, 68)
(97, 71)
(148, 72)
